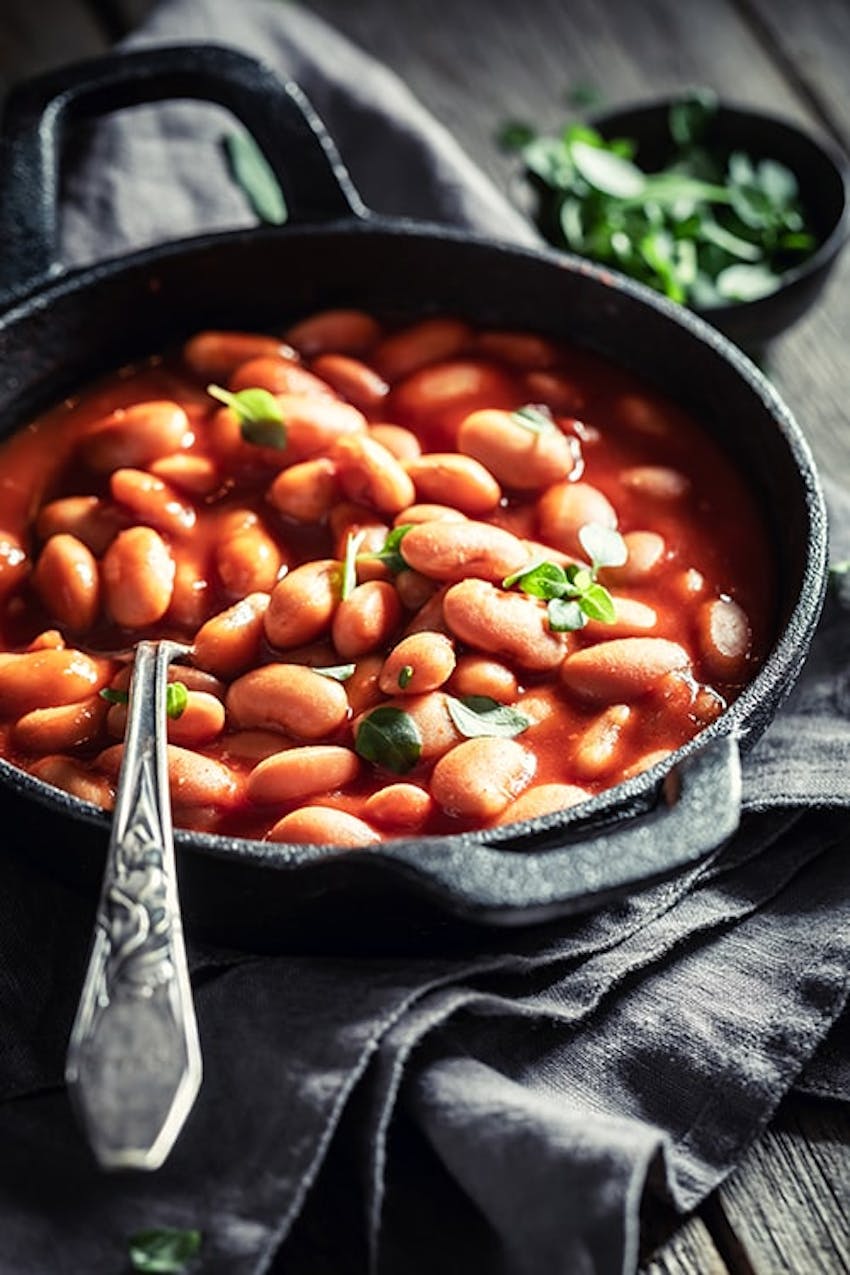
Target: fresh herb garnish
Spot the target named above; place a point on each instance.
(337, 672)
(260, 418)
(389, 737)
(176, 698)
(708, 228)
(348, 582)
(163, 1250)
(250, 169)
(389, 553)
(572, 593)
(405, 676)
(478, 715)
(534, 417)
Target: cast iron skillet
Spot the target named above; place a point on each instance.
(60, 329)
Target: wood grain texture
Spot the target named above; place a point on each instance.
(690, 1251)
(787, 1204)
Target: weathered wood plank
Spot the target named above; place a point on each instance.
(788, 1203)
(36, 37)
(690, 1251)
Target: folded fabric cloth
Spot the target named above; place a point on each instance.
(503, 1110)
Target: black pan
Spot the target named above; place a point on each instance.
(60, 329)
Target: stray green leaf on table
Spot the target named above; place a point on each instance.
(163, 1250)
(250, 169)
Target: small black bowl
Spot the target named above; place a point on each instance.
(823, 176)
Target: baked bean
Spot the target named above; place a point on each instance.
(454, 551)
(313, 425)
(414, 589)
(343, 331)
(57, 730)
(403, 806)
(707, 705)
(400, 442)
(194, 780)
(279, 376)
(289, 698)
(248, 562)
(519, 457)
(478, 778)
(522, 349)
(567, 507)
(136, 435)
(14, 563)
(646, 552)
(596, 751)
(48, 640)
(542, 799)
(510, 625)
(307, 491)
(451, 391)
(657, 482)
(540, 704)
(302, 772)
(89, 518)
(430, 616)
(646, 762)
(476, 675)
(195, 475)
(362, 687)
(303, 603)
(633, 619)
(230, 642)
(623, 669)
(251, 745)
(421, 662)
(643, 416)
(725, 639)
(370, 474)
(190, 596)
(427, 342)
(151, 501)
(67, 580)
(371, 538)
(323, 825)
(201, 721)
(554, 390)
(194, 679)
(138, 578)
(366, 619)
(213, 356)
(354, 380)
(415, 514)
(47, 679)
(73, 777)
(459, 480)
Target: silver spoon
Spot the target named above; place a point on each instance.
(134, 1062)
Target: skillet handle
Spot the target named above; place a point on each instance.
(275, 112)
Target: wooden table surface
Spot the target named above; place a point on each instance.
(475, 63)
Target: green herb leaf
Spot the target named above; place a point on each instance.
(583, 95)
(389, 737)
(540, 579)
(176, 699)
(250, 169)
(513, 135)
(405, 676)
(534, 417)
(689, 117)
(478, 715)
(604, 546)
(597, 604)
(114, 697)
(163, 1251)
(390, 553)
(746, 283)
(260, 418)
(565, 617)
(348, 582)
(337, 672)
(607, 172)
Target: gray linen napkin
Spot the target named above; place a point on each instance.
(505, 1110)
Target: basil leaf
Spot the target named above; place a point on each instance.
(260, 418)
(114, 697)
(337, 672)
(689, 117)
(176, 699)
(478, 715)
(583, 95)
(604, 546)
(390, 738)
(389, 553)
(250, 169)
(607, 172)
(533, 417)
(405, 676)
(162, 1250)
(597, 604)
(349, 563)
(541, 580)
(565, 617)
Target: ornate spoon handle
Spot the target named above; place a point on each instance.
(134, 1062)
